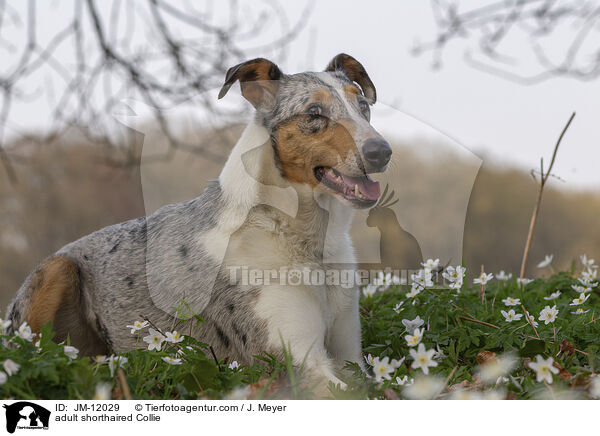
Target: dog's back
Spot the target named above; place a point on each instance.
(93, 287)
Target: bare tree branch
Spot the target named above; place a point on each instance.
(538, 27)
(164, 54)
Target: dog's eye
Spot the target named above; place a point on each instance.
(315, 110)
(364, 109)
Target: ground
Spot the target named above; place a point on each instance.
(434, 343)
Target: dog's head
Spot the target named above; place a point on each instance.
(319, 125)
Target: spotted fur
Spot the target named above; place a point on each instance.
(265, 211)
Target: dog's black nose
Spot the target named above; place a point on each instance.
(377, 153)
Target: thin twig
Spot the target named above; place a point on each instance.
(479, 322)
(447, 380)
(527, 317)
(123, 383)
(481, 288)
(543, 179)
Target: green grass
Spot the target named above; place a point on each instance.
(460, 326)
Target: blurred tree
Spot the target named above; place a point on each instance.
(163, 53)
(526, 41)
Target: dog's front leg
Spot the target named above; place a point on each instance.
(344, 341)
(295, 319)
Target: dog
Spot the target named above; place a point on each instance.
(317, 140)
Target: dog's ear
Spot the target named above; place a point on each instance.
(355, 72)
(259, 81)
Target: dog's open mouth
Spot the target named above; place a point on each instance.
(363, 191)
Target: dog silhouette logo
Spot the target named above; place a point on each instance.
(26, 415)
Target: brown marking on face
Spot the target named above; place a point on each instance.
(300, 151)
(351, 91)
(322, 96)
(56, 283)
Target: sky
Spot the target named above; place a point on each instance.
(500, 121)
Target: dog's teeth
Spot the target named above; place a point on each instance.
(331, 173)
(356, 190)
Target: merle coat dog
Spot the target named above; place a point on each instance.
(319, 146)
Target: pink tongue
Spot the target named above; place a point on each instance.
(368, 187)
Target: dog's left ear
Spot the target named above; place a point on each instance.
(259, 81)
(355, 72)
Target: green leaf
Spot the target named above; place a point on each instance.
(532, 347)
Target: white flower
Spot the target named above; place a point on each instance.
(581, 289)
(173, 337)
(548, 314)
(414, 339)
(154, 340)
(415, 290)
(422, 279)
(234, 366)
(523, 282)
(453, 274)
(398, 307)
(71, 352)
(404, 381)
(483, 279)
(424, 388)
(382, 369)
(503, 276)
(103, 391)
(511, 316)
(25, 332)
(595, 386)
(11, 367)
(370, 290)
(423, 358)
(4, 324)
(546, 262)
(457, 285)
(580, 311)
(137, 326)
(510, 301)
(544, 368)
(493, 370)
(116, 362)
(3, 377)
(588, 263)
(530, 319)
(582, 299)
(431, 264)
(553, 296)
(369, 359)
(101, 358)
(588, 283)
(587, 277)
(172, 360)
(412, 325)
